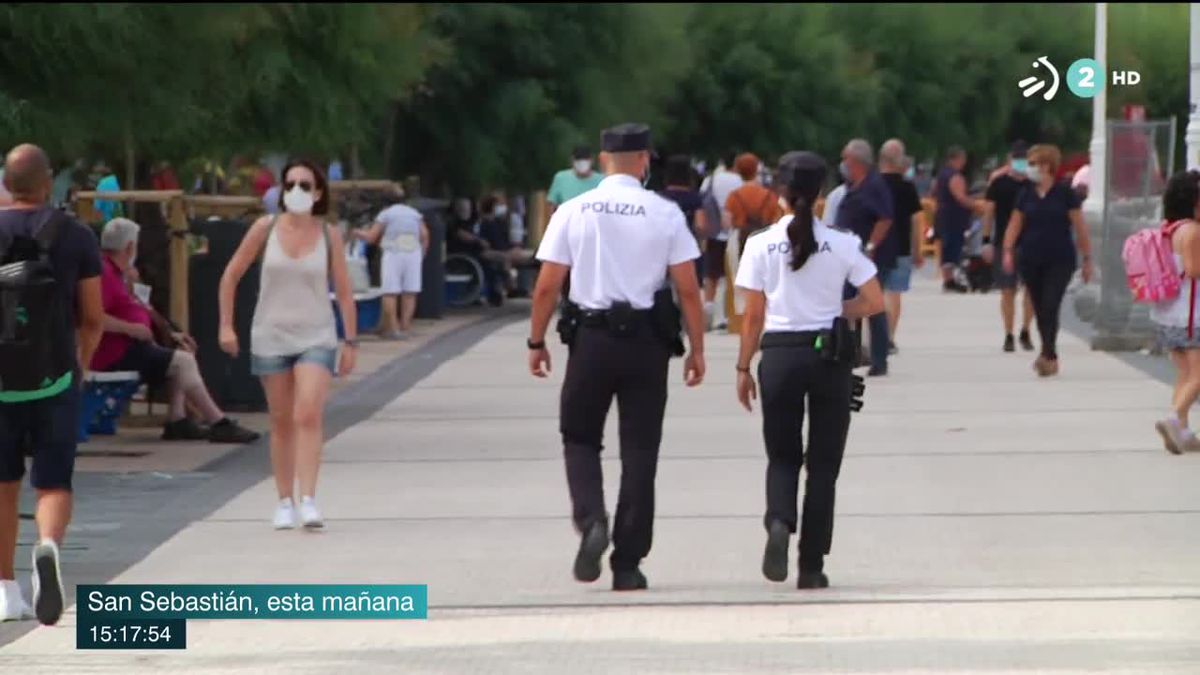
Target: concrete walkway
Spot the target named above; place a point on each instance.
(988, 522)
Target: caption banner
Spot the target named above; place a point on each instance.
(123, 616)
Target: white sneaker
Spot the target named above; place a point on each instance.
(310, 517)
(12, 603)
(48, 596)
(285, 515)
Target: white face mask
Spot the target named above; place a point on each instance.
(501, 210)
(583, 166)
(298, 201)
(1034, 173)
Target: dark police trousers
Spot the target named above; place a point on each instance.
(791, 380)
(634, 370)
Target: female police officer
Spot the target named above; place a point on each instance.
(793, 275)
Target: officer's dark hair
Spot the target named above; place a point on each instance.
(488, 204)
(955, 152)
(728, 159)
(678, 171)
(1181, 196)
(801, 175)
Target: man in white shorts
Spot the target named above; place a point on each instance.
(401, 232)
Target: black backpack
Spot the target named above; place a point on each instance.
(32, 363)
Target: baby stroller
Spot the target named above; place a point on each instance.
(974, 272)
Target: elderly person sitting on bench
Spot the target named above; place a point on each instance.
(128, 344)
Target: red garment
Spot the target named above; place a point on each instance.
(263, 180)
(165, 180)
(120, 303)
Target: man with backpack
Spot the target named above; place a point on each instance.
(714, 193)
(51, 319)
(751, 207)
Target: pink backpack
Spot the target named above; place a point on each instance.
(1150, 268)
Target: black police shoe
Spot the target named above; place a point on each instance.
(629, 580)
(1010, 345)
(877, 371)
(775, 557)
(812, 580)
(591, 547)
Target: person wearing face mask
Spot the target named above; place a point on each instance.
(1039, 237)
(129, 344)
(868, 211)
(293, 337)
(623, 248)
(570, 183)
(495, 229)
(1001, 197)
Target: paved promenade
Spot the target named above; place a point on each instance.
(987, 522)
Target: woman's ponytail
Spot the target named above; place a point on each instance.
(802, 174)
(800, 232)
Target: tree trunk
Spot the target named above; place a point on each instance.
(130, 158)
(355, 165)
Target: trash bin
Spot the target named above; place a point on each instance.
(228, 379)
(431, 303)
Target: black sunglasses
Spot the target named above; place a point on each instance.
(306, 186)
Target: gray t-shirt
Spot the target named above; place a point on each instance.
(401, 228)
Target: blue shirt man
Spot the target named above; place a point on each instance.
(867, 211)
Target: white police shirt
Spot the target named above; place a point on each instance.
(618, 240)
(809, 298)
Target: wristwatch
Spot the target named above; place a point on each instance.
(870, 247)
(351, 342)
(540, 344)
(743, 370)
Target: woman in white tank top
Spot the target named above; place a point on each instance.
(1175, 319)
(293, 337)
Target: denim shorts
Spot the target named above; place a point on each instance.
(899, 278)
(273, 365)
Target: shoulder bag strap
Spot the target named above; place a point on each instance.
(47, 230)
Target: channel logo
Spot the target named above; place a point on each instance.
(1085, 78)
(1033, 84)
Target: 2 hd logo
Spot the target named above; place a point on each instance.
(1084, 78)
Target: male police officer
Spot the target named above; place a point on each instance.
(618, 242)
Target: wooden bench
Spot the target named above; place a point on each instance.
(103, 400)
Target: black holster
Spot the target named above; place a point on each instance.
(666, 319)
(568, 322)
(838, 343)
(622, 320)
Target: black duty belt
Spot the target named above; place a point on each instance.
(599, 317)
(804, 338)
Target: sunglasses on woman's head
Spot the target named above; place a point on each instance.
(306, 186)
